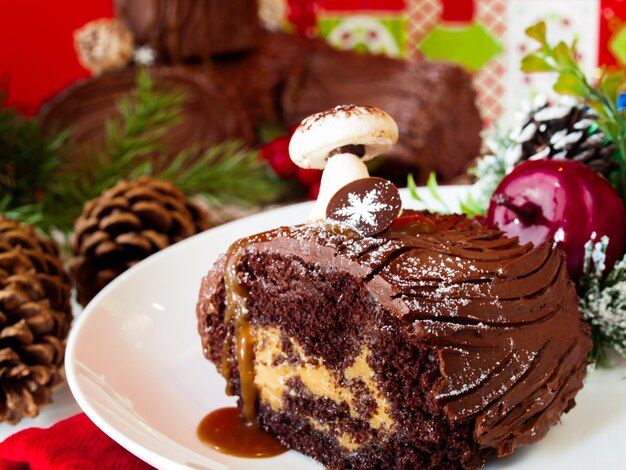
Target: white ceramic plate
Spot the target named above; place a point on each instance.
(135, 366)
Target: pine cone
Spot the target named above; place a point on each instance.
(126, 224)
(35, 317)
(566, 132)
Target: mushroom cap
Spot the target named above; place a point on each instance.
(320, 134)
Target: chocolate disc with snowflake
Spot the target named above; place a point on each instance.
(369, 205)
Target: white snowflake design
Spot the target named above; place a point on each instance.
(363, 210)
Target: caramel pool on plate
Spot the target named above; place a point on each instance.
(227, 431)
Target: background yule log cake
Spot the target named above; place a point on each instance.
(432, 102)
(209, 113)
(274, 77)
(430, 345)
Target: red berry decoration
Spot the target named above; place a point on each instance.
(314, 190)
(276, 153)
(308, 176)
(563, 199)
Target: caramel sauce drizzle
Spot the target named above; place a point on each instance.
(230, 430)
(237, 320)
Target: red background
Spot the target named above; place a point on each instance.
(37, 56)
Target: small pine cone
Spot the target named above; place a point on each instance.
(35, 317)
(564, 131)
(125, 225)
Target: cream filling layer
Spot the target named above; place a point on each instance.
(272, 373)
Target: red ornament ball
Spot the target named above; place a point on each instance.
(562, 199)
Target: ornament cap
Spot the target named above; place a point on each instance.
(103, 45)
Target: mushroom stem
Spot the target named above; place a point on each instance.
(340, 170)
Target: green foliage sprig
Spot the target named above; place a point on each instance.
(41, 188)
(433, 190)
(470, 205)
(571, 80)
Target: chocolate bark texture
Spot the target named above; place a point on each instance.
(409, 349)
(432, 102)
(209, 115)
(191, 30)
(260, 75)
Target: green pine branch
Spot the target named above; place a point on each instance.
(226, 173)
(26, 158)
(144, 118)
(571, 80)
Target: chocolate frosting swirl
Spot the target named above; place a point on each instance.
(502, 317)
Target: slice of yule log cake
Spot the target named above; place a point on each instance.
(370, 338)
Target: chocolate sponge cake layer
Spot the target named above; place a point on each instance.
(404, 350)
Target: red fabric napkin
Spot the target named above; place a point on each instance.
(75, 443)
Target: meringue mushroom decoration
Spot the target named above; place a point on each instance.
(339, 141)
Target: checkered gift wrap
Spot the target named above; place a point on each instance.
(485, 36)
